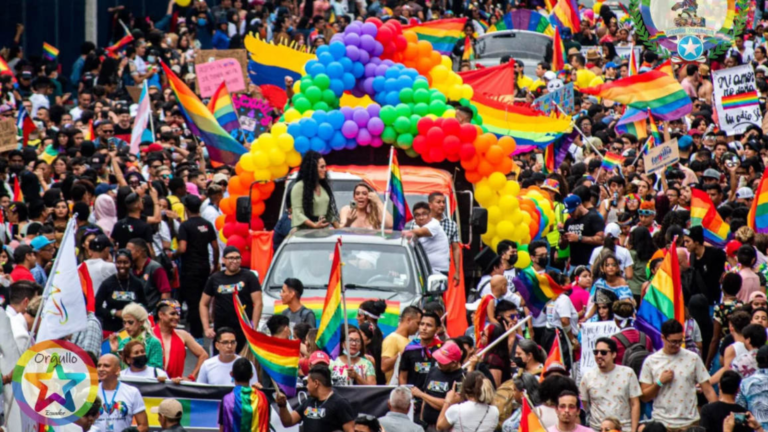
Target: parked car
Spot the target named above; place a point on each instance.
(528, 46)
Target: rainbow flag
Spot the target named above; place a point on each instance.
(5, 70)
(758, 213)
(221, 146)
(221, 107)
(523, 19)
(332, 318)
(469, 52)
(50, 52)
(481, 316)
(565, 14)
(704, 213)
(442, 34)
(654, 90)
(536, 288)
(654, 138)
(529, 421)
(555, 355)
(663, 300)
(632, 60)
(401, 213)
(611, 161)
(87, 283)
(113, 50)
(633, 122)
(278, 357)
(743, 100)
(529, 128)
(89, 134)
(17, 195)
(251, 413)
(558, 52)
(387, 322)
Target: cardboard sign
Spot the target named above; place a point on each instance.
(8, 135)
(562, 96)
(661, 156)
(207, 56)
(736, 99)
(255, 116)
(210, 75)
(134, 92)
(590, 333)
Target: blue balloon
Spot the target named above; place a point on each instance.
(380, 98)
(301, 144)
(316, 144)
(404, 82)
(336, 119)
(338, 141)
(325, 58)
(392, 98)
(392, 72)
(322, 49)
(337, 86)
(316, 69)
(308, 66)
(320, 117)
(351, 144)
(379, 84)
(294, 130)
(349, 81)
(358, 70)
(325, 131)
(390, 84)
(335, 70)
(338, 50)
(308, 127)
(347, 63)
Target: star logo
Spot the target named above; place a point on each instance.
(59, 379)
(690, 48)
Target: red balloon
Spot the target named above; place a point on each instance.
(420, 145)
(230, 219)
(451, 146)
(400, 42)
(424, 125)
(439, 122)
(384, 35)
(241, 229)
(246, 258)
(238, 242)
(435, 137)
(436, 154)
(453, 157)
(451, 126)
(266, 189)
(257, 224)
(467, 152)
(468, 133)
(229, 229)
(473, 176)
(375, 21)
(471, 163)
(397, 27)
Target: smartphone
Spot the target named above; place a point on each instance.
(740, 418)
(352, 204)
(540, 159)
(458, 387)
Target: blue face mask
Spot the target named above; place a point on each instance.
(202, 21)
(151, 59)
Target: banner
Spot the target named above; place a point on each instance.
(207, 56)
(8, 135)
(590, 333)
(201, 402)
(736, 99)
(562, 96)
(661, 156)
(210, 75)
(255, 115)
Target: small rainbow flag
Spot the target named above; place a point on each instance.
(50, 52)
(664, 298)
(332, 318)
(742, 100)
(558, 52)
(481, 316)
(278, 357)
(555, 354)
(632, 60)
(221, 107)
(704, 213)
(536, 288)
(758, 213)
(87, 284)
(654, 138)
(469, 52)
(529, 421)
(251, 413)
(89, 134)
(442, 34)
(401, 213)
(387, 322)
(611, 161)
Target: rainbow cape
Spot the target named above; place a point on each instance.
(332, 319)
(223, 110)
(536, 288)
(387, 321)
(50, 52)
(251, 413)
(442, 34)
(663, 300)
(758, 213)
(401, 213)
(565, 14)
(704, 213)
(558, 52)
(611, 161)
(221, 146)
(654, 90)
(523, 19)
(279, 358)
(529, 421)
(743, 100)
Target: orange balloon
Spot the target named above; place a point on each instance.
(471, 164)
(494, 154)
(425, 48)
(239, 168)
(411, 36)
(505, 166)
(508, 144)
(266, 189)
(533, 228)
(246, 178)
(411, 51)
(423, 65)
(482, 144)
(485, 168)
(258, 208)
(227, 205)
(235, 187)
(255, 195)
(220, 222)
(436, 58)
(473, 176)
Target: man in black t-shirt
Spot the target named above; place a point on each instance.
(708, 261)
(713, 413)
(323, 410)
(133, 226)
(583, 231)
(195, 235)
(416, 361)
(221, 287)
(439, 381)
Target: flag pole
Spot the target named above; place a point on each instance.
(151, 121)
(386, 195)
(499, 339)
(344, 304)
(586, 140)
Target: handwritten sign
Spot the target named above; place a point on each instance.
(624, 52)
(736, 99)
(562, 96)
(8, 135)
(590, 333)
(255, 116)
(661, 156)
(586, 48)
(210, 75)
(207, 56)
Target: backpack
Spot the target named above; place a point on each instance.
(634, 353)
(503, 401)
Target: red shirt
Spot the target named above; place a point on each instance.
(21, 273)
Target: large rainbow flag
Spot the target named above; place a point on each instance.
(565, 14)
(442, 34)
(633, 122)
(663, 300)
(332, 318)
(529, 128)
(222, 148)
(279, 358)
(221, 107)
(251, 413)
(704, 213)
(523, 19)
(401, 213)
(536, 288)
(758, 213)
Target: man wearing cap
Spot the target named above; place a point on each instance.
(123, 403)
(323, 410)
(582, 232)
(99, 263)
(711, 176)
(744, 196)
(438, 382)
(44, 250)
(169, 414)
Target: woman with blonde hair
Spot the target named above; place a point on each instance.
(365, 210)
(610, 424)
(470, 409)
(138, 328)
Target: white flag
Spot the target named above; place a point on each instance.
(140, 122)
(63, 312)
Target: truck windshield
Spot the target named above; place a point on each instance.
(381, 267)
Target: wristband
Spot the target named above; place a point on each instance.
(659, 383)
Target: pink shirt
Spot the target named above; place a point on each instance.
(750, 283)
(579, 428)
(579, 297)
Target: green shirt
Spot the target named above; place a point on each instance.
(153, 347)
(321, 206)
(638, 274)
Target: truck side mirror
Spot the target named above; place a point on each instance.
(437, 284)
(479, 219)
(243, 211)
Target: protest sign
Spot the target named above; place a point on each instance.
(736, 99)
(8, 135)
(134, 92)
(590, 333)
(255, 115)
(586, 48)
(661, 156)
(210, 75)
(562, 96)
(624, 52)
(207, 56)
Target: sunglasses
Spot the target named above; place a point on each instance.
(166, 176)
(647, 212)
(108, 132)
(601, 352)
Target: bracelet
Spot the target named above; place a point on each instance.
(659, 383)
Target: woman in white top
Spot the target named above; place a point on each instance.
(365, 210)
(135, 356)
(612, 236)
(470, 409)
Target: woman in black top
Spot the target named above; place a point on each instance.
(367, 319)
(117, 291)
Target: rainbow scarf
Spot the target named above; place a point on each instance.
(50, 52)
(251, 413)
(223, 110)
(704, 213)
(401, 213)
(758, 213)
(663, 300)
(536, 288)
(332, 319)
(611, 161)
(442, 34)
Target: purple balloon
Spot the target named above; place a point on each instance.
(368, 86)
(364, 57)
(354, 27)
(353, 52)
(388, 62)
(350, 129)
(361, 117)
(352, 39)
(338, 37)
(373, 110)
(347, 111)
(375, 60)
(367, 43)
(364, 137)
(381, 70)
(376, 142)
(379, 50)
(370, 29)
(375, 126)
(370, 70)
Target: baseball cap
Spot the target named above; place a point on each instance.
(571, 203)
(220, 177)
(39, 242)
(711, 173)
(154, 147)
(97, 161)
(169, 408)
(744, 193)
(549, 75)
(449, 352)
(613, 230)
(131, 198)
(755, 295)
(732, 247)
(193, 201)
(26, 74)
(99, 243)
(319, 357)
(103, 188)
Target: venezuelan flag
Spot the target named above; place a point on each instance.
(565, 14)
(704, 213)
(758, 213)
(223, 110)
(536, 288)
(558, 52)
(278, 357)
(442, 34)
(50, 52)
(221, 146)
(663, 300)
(332, 319)
(611, 161)
(270, 64)
(400, 211)
(523, 19)
(251, 413)
(387, 321)
(526, 126)
(529, 421)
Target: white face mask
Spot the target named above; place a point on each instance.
(346, 353)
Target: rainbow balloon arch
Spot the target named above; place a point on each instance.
(411, 85)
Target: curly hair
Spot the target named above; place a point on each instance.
(309, 177)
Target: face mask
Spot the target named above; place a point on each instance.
(512, 259)
(542, 262)
(351, 355)
(202, 22)
(151, 59)
(140, 361)
(519, 362)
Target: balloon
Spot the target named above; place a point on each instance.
(523, 259)
(183, 3)
(497, 181)
(219, 224)
(508, 144)
(246, 161)
(235, 240)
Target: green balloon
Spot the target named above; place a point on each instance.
(322, 81)
(436, 95)
(437, 107)
(474, 110)
(321, 106)
(297, 97)
(405, 141)
(464, 102)
(388, 135)
(403, 125)
(421, 109)
(415, 124)
(420, 84)
(421, 96)
(329, 97)
(314, 94)
(406, 95)
(302, 104)
(411, 152)
(388, 115)
(306, 83)
(402, 110)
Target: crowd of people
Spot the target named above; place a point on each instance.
(163, 279)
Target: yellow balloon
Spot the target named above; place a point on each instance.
(446, 61)
(276, 157)
(285, 142)
(491, 230)
(439, 73)
(512, 188)
(467, 92)
(293, 158)
(455, 93)
(279, 129)
(494, 214)
(523, 260)
(262, 174)
(183, 3)
(497, 181)
(520, 232)
(505, 229)
(486, 238)
(247, 162)
(495, 243)
(483, 194)
(308, 113)
(291, 115)
(516, 217)
(508, 204)
(279, 171)
(260, 160)
(449, 114)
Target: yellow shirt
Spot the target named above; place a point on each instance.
(393, 345)
(524, 82)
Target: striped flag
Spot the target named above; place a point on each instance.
(223, 110)
(558, 52)
(469, 52)
(654, 138)
(332, 320)
(401, 213)
(25, 124)
(142, 117)
(87, 282)
(632, 62)
(50, 52)
(5, 70)
(758, 213)
(663, 300)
